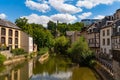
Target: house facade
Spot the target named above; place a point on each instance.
(12, 37)
(93, 38)
(105, 41)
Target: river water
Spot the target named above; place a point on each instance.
(55, 68)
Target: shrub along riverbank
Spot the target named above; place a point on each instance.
(81, 54)
(2, 59)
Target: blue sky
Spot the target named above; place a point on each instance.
(69, 11)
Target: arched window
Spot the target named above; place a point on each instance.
(3, 40)
(10, 32)
(16, 40)
(16, 33)
(118, 29)
(3, 31)
(10, 40)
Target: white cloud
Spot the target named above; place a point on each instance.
(92, 3)
(85, 15)
(41, 7)
(63, 7)
(66, 18)
(2, 16)
(99, 17)
(34, 18)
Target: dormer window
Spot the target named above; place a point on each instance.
(90, 30)
(108, 22)
(118, 29)
(94, 29)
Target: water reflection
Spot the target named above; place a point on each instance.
(21, 71)
(56, 68)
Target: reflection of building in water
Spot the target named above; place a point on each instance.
(20, 72)
(14, 75)
(55, 76)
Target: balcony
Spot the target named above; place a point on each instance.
(94, 45)
(116, 34)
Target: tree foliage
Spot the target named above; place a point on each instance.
(18, 51)
(80, 52)
(63, 27)
(42, 37)
(61, 45)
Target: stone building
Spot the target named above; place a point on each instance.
(73, 35)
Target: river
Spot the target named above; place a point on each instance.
(55, 68)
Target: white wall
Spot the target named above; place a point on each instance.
(108, 47)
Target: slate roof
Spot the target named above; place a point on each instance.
(9, 24)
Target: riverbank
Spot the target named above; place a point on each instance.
(104, 74)
(14, 60)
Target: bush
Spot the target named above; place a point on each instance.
(61, 45)
(3, 47)
(2, 59)
(80, 52)
(18, 51)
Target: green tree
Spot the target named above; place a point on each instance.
(21, 22)
(62, 27)
(61, 45)
(42, 37)
(18, 51)
(52, 27)
(80, 52)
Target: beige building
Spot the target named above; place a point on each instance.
(73, 35)
(12, 37)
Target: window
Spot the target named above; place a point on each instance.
(118, 29)
(16, 40)
(3, 40)
(119, 40)
(108, 41)
(92, 40)
(16, 33)
(89, 41)
(10, 40)
(108, 32)
(103, 41)
(103, 32)
(3, 31)
(104, 50)
(101, 50)
(16, 46)
(10, 32)
(90, 30)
